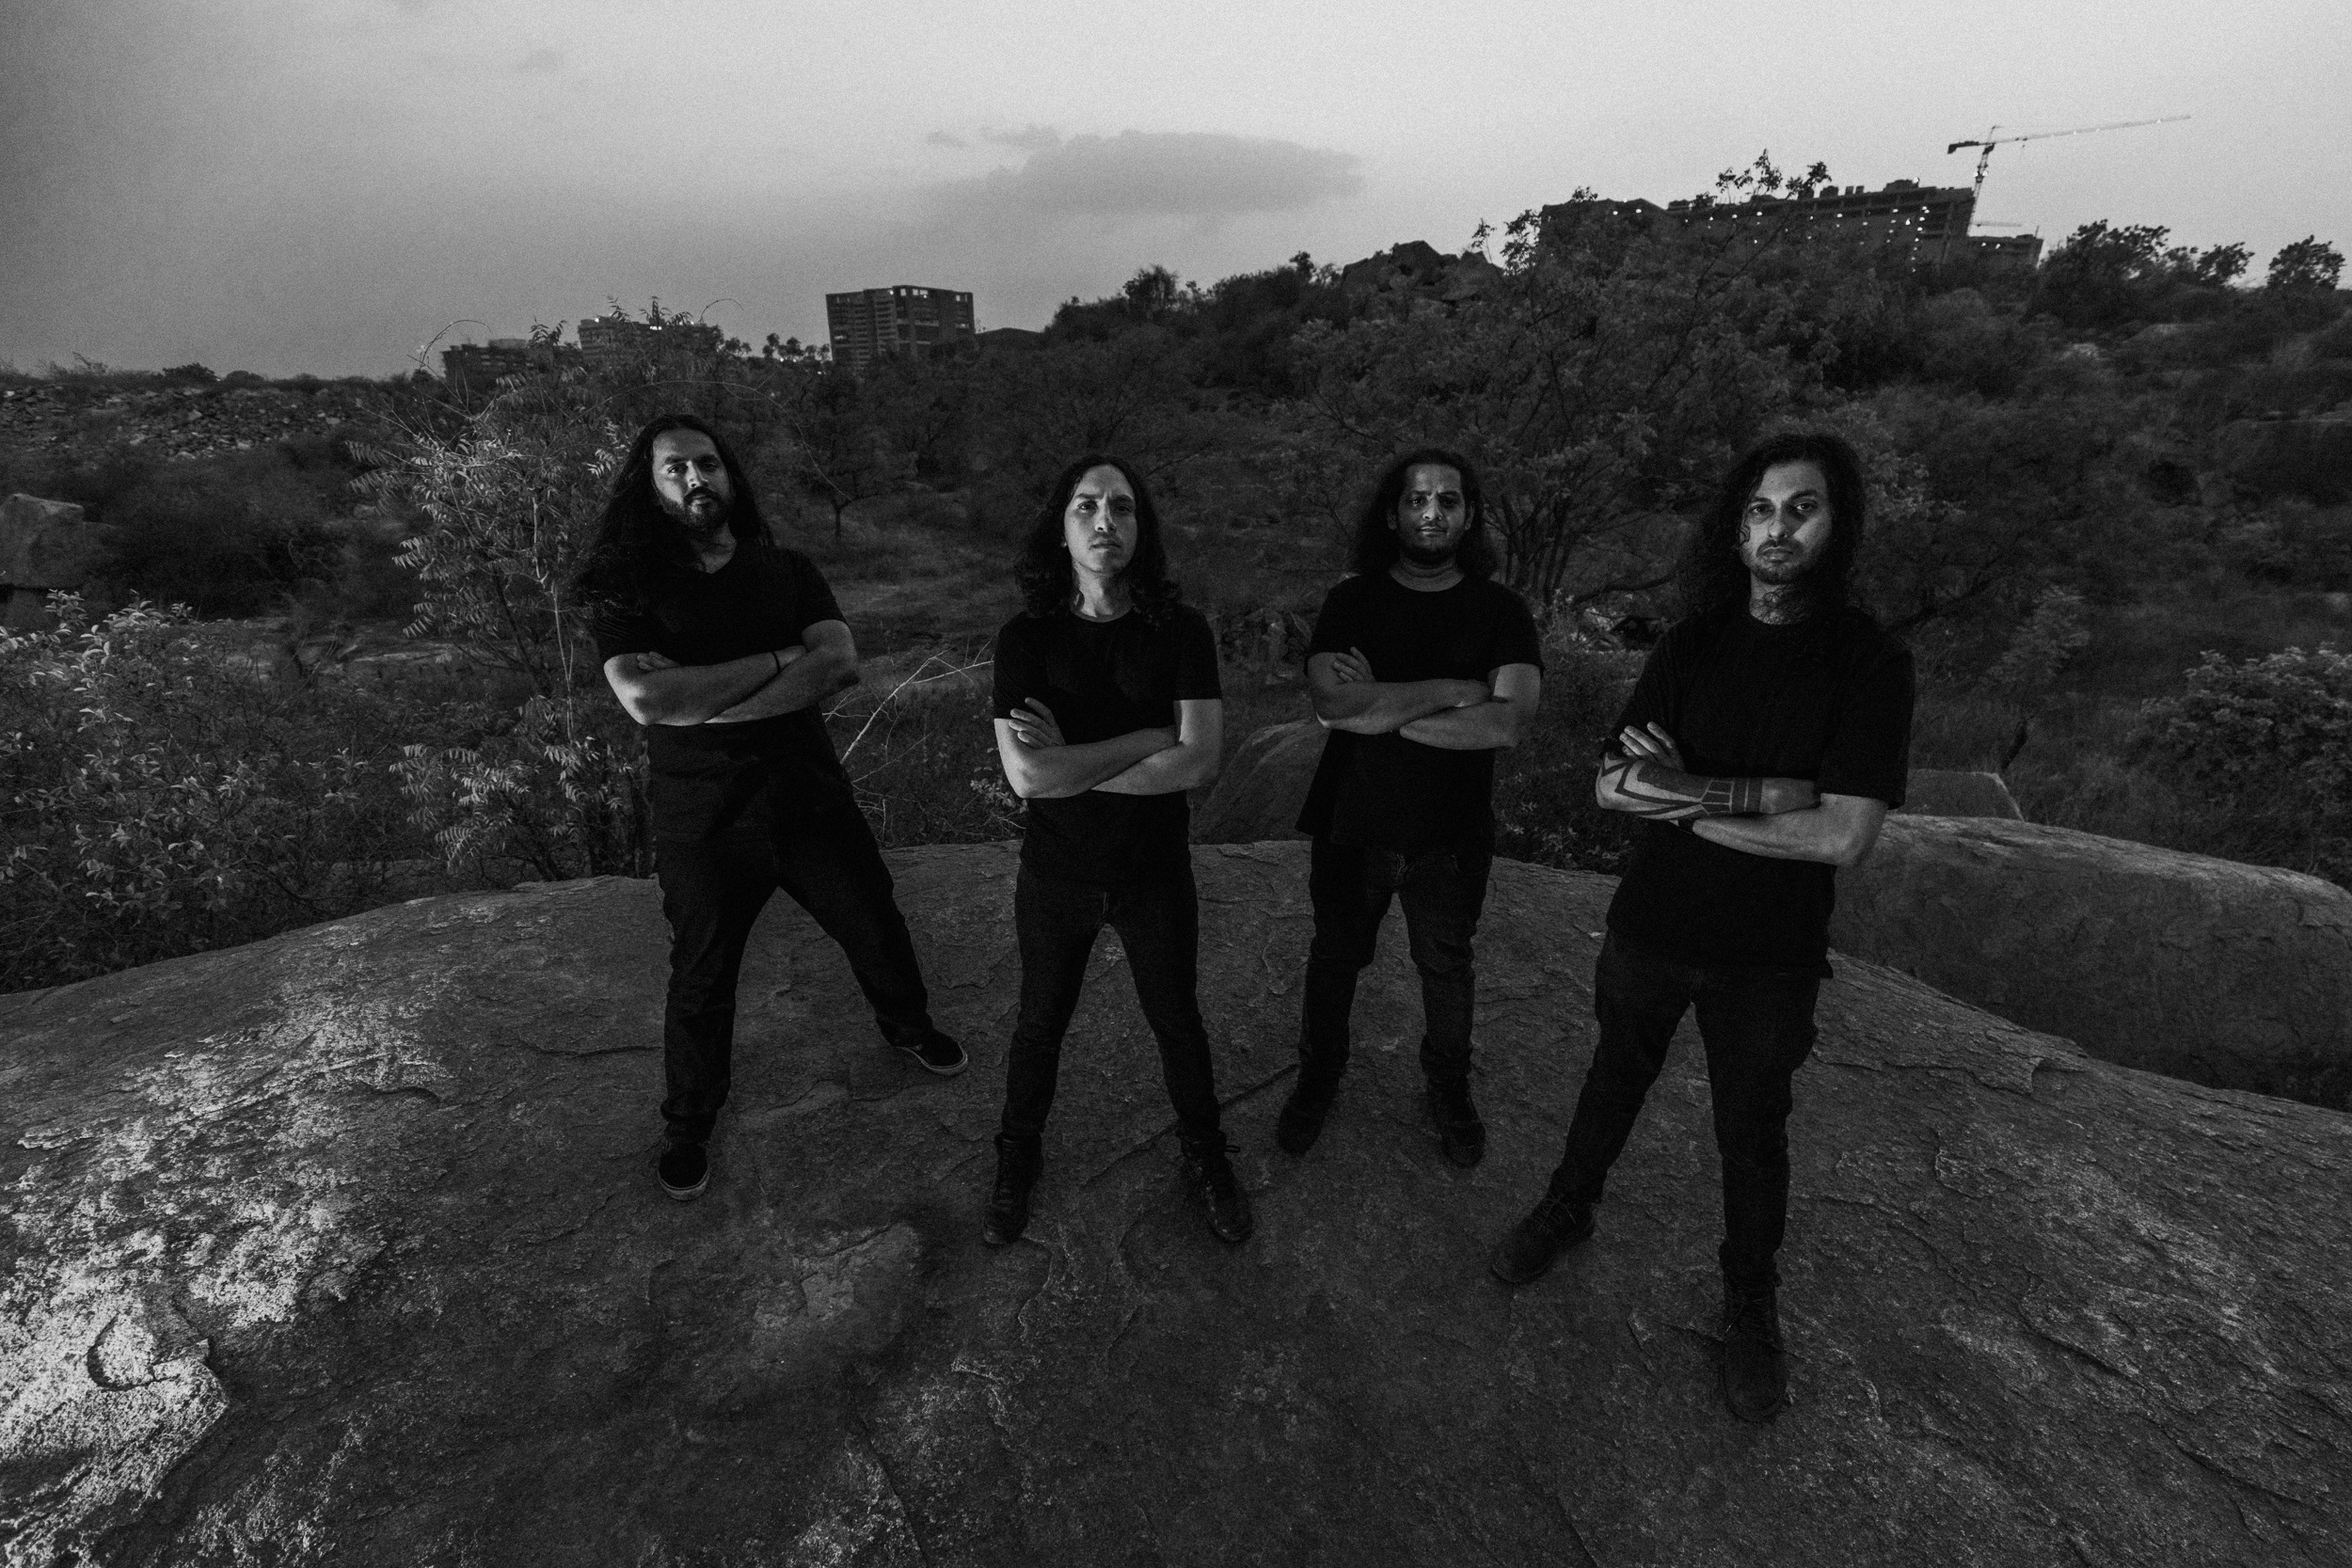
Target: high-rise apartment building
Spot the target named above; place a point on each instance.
(1927, 223)
(871, 323)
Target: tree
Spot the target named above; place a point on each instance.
(2309, 262)
(834, 441)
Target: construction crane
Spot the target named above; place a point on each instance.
(1991, 140)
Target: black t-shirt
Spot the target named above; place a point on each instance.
(1830, 703)
(1103, 679)
(1385, 791)
(766, 771)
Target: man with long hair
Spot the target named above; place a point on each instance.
(1764, 744)
(1422, 668)
(721, 642)
(1109, 708)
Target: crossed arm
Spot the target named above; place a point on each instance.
(1641, 773)
(660, 690)
(1452, 714)
(1039, 764)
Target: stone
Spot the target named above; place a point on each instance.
(2300, 457)
(2232, 976)
(46, 544)
(343, 1248)
(1258, 794)
(1954, 792)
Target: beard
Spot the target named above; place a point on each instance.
(703, 522)
(1421, 555)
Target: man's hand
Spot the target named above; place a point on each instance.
(1645, 777)
(1350, 666)
(1035, 726)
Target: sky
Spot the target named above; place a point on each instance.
(331, 186)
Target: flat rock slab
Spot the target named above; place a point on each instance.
(1954, 792)
(1259, 795)
(345, 1248)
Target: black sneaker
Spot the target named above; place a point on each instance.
(1557, 1223)
(1458, 1127)
(1756, 1373)
(1210, 1175)
(684, 1169)
(1018, 1162)
(1301, 1122)
(939, 1054)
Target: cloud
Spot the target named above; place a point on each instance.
(540, 62)
(944, 138)
(1196, 174)
(1029, 138)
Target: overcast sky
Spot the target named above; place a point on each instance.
(320, 185)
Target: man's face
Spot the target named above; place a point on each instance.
(1431, 514)
(1785, 530)
(1100, 525)
(690, 479)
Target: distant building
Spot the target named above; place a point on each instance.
(868, 323)
(479, 367)
(1927, 223)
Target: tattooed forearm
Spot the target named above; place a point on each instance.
(1653, 789)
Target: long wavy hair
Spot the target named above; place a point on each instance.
(1711, 575)
(1376, 545)
(636, 543)
(1048, 584)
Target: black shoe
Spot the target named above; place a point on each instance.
(1018, 1161)
(939, 1054)
(684, 1169)
(1301, 1122)
(1210, 1175)
(1458, 1127)
(1756, 1373)
(1557, 1223)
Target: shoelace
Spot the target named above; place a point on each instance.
(1750, 1317)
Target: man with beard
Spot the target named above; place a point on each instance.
(1423, 669)
(1765, 741)
(1109, 708)
(721, 643)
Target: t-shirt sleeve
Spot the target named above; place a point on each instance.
(1019, 672)
(1869, 750)
(813, 600)
(1335, 622)
(624, 630)
(1196, 661)
(1515, 641)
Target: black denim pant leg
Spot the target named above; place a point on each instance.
(1638, 1002)
(1444, 892)
(833, 869)
(712, 890)
(1158, 922)
(1054, 923)
(1758, 1030)
(1350, 888)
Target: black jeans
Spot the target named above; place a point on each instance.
(713, 888)
(1443, 890)
(1757, 1026)
(1158, 922)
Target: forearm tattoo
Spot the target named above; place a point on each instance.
(1665, 792)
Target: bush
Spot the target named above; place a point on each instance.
(160, 798)
(1543, 807)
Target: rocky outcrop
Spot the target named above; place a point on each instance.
(1259, 792)
(343, 1248)
(43, 545)
(1952, 792)
(2238, 976)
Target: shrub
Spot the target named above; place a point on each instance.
(1543, 807)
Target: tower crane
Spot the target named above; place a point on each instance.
(1991, 140)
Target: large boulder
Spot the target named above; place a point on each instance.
(46, 544)
(2238, 976)
(1954, 792)
(345, 1248)
(1259, 793)
(2303, 457)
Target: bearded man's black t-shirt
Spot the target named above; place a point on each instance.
(1103, 679)
(1829, 703)
(1383, 791)
(769, 773)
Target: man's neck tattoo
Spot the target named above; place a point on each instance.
(1778, 604)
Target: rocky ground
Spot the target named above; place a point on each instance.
(343, 1248)
(179, 421)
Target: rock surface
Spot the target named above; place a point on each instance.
(2304, 457)
(343, 1248)
(45, 544)
(1953, 792)
(1259, 793)
(2237, 976)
